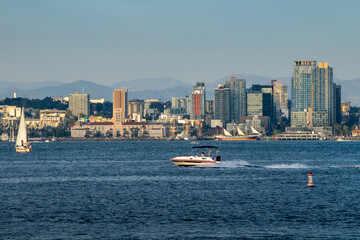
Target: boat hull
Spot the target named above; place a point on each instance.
(26, 149)
(239, 138)
(193, 161)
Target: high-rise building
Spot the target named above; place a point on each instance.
(222, 104)
(303, 86)
(259, 104)
(313, 91)
(280, 100)
(181, 104)
(79, 104)
(209, 107)
(238, 97)
(197, 102)
(337, 104)
(136, 106)
(325, 91)
(270, 109)
(120, 105)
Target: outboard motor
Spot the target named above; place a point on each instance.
(218, 158)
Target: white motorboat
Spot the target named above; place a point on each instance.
(22, 144)
(205, 158)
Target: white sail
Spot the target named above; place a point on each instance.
(21, 139)
(254, 130)
(226, 133)
(241, 133)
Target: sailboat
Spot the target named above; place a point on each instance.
(22, 144)
(254, 135)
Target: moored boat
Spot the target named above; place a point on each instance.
(202, 159)
(254, 135)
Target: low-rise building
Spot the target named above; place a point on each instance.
(78, 131)
(142, 129)
(52, 117)
(103, 127)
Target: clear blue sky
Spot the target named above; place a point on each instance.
(106, 41)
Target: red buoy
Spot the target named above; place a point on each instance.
(310, 181)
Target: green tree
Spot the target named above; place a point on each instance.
(97, 134)
(134, 132)
(109, 134)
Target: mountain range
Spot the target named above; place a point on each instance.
(162, 88)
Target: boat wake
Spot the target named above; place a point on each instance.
(355, 166)
(235, 164)
(230, 164)
(286, 166)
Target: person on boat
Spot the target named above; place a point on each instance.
(203, 154)
(189, 154)
(22, 142)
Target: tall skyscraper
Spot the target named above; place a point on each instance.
(303, 86)
(180, 103)
(120, 105)
(197, 102)
(268, 101)
(136, 106)
(324, 95)
(337, 104)
(312, 92)
(280, 100)
(259, 104)
(79, 104)
(238, 97)
(222, 104)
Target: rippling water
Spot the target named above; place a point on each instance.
(111, 190)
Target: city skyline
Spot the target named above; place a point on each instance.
(191, 41)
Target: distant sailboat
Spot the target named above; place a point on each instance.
(241, 136)
(22, 143)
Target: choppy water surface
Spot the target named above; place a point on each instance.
(110, 190)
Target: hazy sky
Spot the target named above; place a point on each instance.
(106, 41)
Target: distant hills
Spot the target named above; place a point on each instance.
(162, 88)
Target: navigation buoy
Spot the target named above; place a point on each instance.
(310, 181)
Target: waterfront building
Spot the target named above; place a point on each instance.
(238, 97)
(79, 104)
(78, 131)
(104, 128)
(222, 104)
(142, 129)
(197, 102)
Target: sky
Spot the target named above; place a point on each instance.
(107, 41)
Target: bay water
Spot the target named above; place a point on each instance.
(121, 190)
